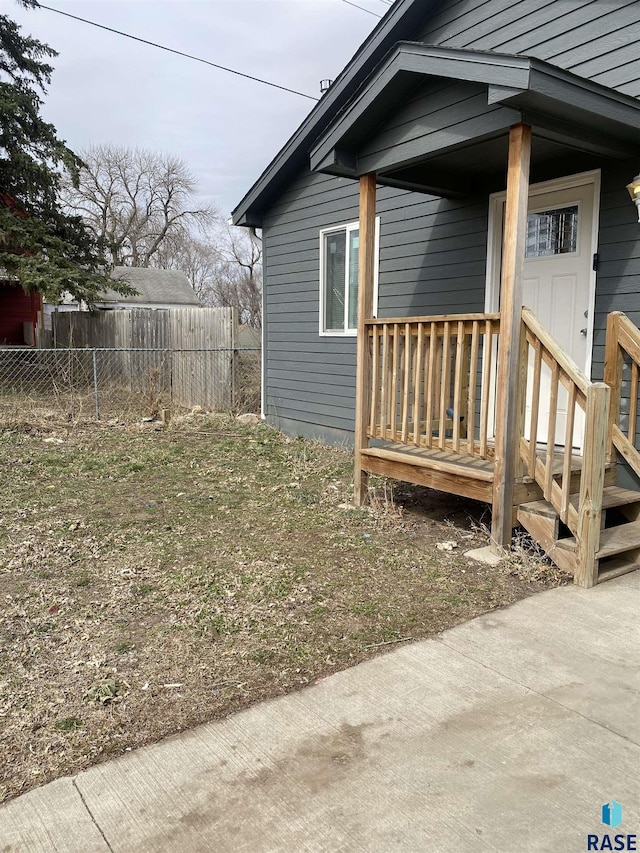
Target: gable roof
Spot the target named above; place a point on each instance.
(562, 107)
(402, 20)
(154, 286)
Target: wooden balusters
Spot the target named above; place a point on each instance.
(417, 385)
(460, 385)
(430, 374)
(375, 383)
(406, 382)
(568, 453)
(445, 379)
(474, 350)
(393, 402)
(424, 381)
(487, 357)
(551, 430)
(622, 349)
(633, 404)
(384, 404)
(535, 406)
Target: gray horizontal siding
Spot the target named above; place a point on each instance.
(435, 118)
(595, 39)
(437, 265)
(618, 284)
(432, 261)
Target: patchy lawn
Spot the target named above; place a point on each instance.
(155, 579)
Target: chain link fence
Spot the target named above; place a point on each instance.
(102, 384)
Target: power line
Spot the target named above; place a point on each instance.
(179, 52)
(362, 9)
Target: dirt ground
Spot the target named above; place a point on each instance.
(155, 578)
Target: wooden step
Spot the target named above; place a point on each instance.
(616, 540)
(613, 540)
(541, 521)
(619, 551)
(613, 496)
(542, 508)
(616, 567)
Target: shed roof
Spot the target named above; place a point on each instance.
(154, 286)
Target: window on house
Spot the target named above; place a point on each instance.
(339, 279)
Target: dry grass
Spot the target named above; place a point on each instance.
(155, 579)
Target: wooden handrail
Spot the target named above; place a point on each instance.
(565, 362)
(437, 318)
(622, 345)
(584, 516)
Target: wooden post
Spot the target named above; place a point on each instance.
(521, 414)
(509, 354)
(613, 364)
(592, 484)
(366, 266)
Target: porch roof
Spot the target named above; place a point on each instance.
(575, 122)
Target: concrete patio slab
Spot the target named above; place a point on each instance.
(506, 733)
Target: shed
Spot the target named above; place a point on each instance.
(156, 288)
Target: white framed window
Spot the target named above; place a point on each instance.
(339, 246)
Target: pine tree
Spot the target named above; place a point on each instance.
(41, 246)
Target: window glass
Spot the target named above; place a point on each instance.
(334, 265)
(354, 243)
(552, 232)
(339, 248)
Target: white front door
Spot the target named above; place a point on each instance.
(556, 287)
(558, 281)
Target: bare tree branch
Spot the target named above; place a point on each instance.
(225, 270)
(134, 200)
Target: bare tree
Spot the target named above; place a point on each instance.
(239, 280)
(197, 258)
(134, 200)
(224, 270)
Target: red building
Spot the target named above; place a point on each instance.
(16, 309)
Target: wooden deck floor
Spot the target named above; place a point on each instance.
(455, 473)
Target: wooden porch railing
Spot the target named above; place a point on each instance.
(430, 381)
(583, 516)
(621, 371)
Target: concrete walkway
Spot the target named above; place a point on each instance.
(505, 734)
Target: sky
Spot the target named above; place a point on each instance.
(108, 89)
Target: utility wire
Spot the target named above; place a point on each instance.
(179, 52)
(362, 9)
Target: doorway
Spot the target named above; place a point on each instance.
(559, 277)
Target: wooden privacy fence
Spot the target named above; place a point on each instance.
(200, 343)
(431, 381)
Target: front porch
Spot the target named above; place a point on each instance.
(431, 401)
(488, 405)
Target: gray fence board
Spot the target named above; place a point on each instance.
(207, 381)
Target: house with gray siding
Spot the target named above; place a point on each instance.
(452, 266)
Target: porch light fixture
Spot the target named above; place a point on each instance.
(634, 192)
